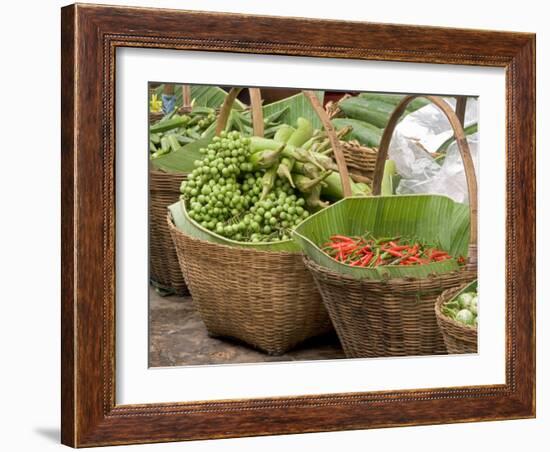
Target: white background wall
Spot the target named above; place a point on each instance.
(29, 246)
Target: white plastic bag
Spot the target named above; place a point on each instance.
(419, 135)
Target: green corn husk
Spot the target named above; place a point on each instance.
(186, 224)
(284, 169)
(313, 199)
(284, 133)
(307, 169)
(433, 219)
(390, 170)
(305, 184)
(333, 188)
(268, 180)
(258, 144)
(265, 159)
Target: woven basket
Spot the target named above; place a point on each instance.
(265, 299)
(395, 317)
(385, 318)
(459, 338)
(164, 189)
(164, 270)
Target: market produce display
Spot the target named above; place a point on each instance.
(368, 251)
(463, 308)
(258, 189)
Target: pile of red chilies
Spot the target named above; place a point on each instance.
(363, 252)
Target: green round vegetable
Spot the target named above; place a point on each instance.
(465, 316)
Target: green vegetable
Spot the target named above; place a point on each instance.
(165, 126)
(465, 316)
(359, 108)
(363, 132)
(333, 187)
(465, 299)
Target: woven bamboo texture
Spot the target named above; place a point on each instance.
(361, 160)
(164, 269)
(265, 299)
(459, 338)
(385, 318)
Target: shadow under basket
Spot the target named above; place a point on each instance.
(393, 317)
(459, 338)
(164, 269)
(266, 299)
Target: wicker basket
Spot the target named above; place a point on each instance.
(164, 189)
(164, 270)
(395, 317)
(459, 338)
(385, 318)
(265, 299)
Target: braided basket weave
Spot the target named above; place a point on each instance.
(459, 338)
(385, 318)
(266, 299)
(164, 270)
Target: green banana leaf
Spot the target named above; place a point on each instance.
(433, 219)
(183, 160)
(186, 224)
(296, 106)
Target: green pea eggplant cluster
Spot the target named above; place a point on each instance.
(258, 189)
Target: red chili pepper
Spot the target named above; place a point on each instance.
(343, 238)
(394, 253)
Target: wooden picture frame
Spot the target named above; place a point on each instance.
(90, 36)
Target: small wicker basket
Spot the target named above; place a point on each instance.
(459, 338)
(164, 189)
(164, 269)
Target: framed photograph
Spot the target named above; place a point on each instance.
(266, 231)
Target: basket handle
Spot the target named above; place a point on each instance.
(334, 141)
(463, 147)
(186, 97)
(255, 107)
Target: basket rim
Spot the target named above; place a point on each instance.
(250, 250)
(311, 264)
(445, 296)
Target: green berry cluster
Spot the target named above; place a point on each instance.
(223, 195)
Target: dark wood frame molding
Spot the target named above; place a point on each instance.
(90, 36)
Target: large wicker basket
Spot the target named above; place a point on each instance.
(395, 317)
(459, 338)
(164, 270)
(265, 299)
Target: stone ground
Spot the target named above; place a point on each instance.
(177, 337)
